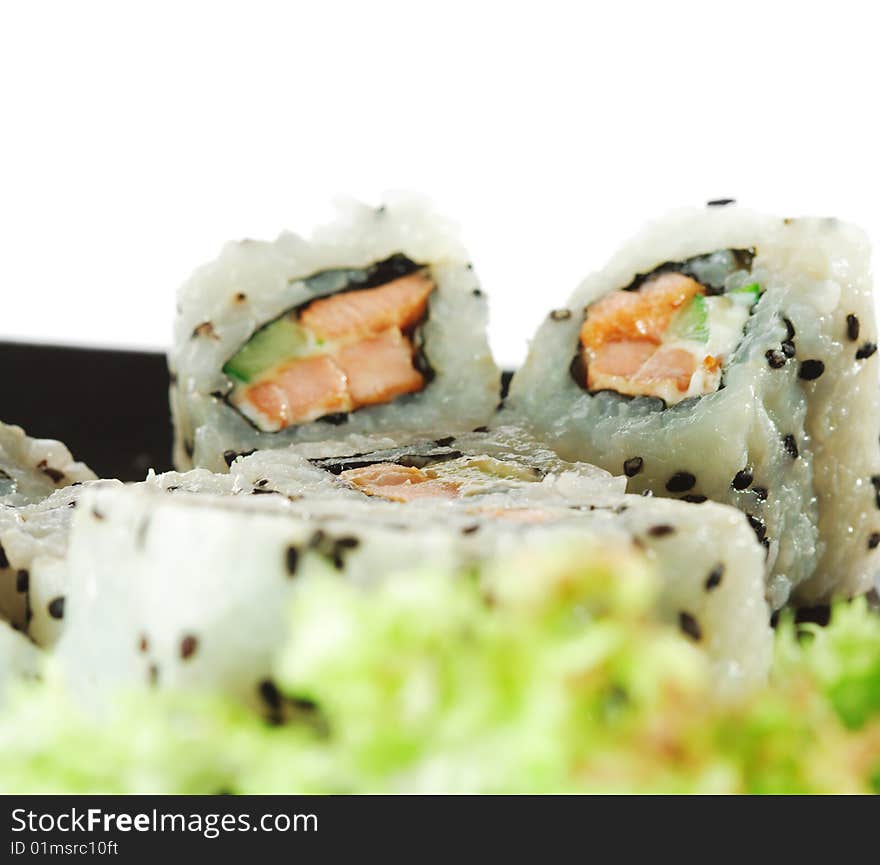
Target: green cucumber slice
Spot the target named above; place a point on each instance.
(281, 340)
(691, 322)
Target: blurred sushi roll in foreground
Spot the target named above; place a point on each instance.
(729, 355)
(31, 470)
(377, 323)
(193, 590)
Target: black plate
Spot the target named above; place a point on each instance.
(109, 407)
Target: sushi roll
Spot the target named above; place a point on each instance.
(193, 590)
(728, 355)
(377, 323)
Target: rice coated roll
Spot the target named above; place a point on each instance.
(193, 590)
(377, 323)
(729, 355)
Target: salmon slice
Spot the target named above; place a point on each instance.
(669, 365)
(399, 483)
(380, 369)
(624, 358)
(638, 315)
(301, 391)
(400, 303)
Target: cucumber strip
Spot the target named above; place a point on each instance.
(276, 342)
(692, 321)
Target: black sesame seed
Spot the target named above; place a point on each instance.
(480, 429)
(261, 482)
(291, 560)
(270, 694)
(789, 328)
(694, 499)
(633, 466)
(690, 626)
(477, 292)
(760, 493)
(853, 327)
(811, 370)
(56, 607)
(560, 314)
(661, 531)
(258, 491)
(469, 530)
(720, 202)
(866, 350)
(758, 526)
(188, 646)
(681, 482)
(791, 447)
(97, 514)
(873, 540)
(348, 542)
(714, 578)
(444, 442)
(776, 358)
(743, 479)
(22, 581)
(241, 297)
(788, 348)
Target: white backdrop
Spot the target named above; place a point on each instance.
(136, 138)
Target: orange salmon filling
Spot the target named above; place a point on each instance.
(359, 353)
(400, 483)
(625, 342)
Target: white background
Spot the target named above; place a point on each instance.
(136, 138)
